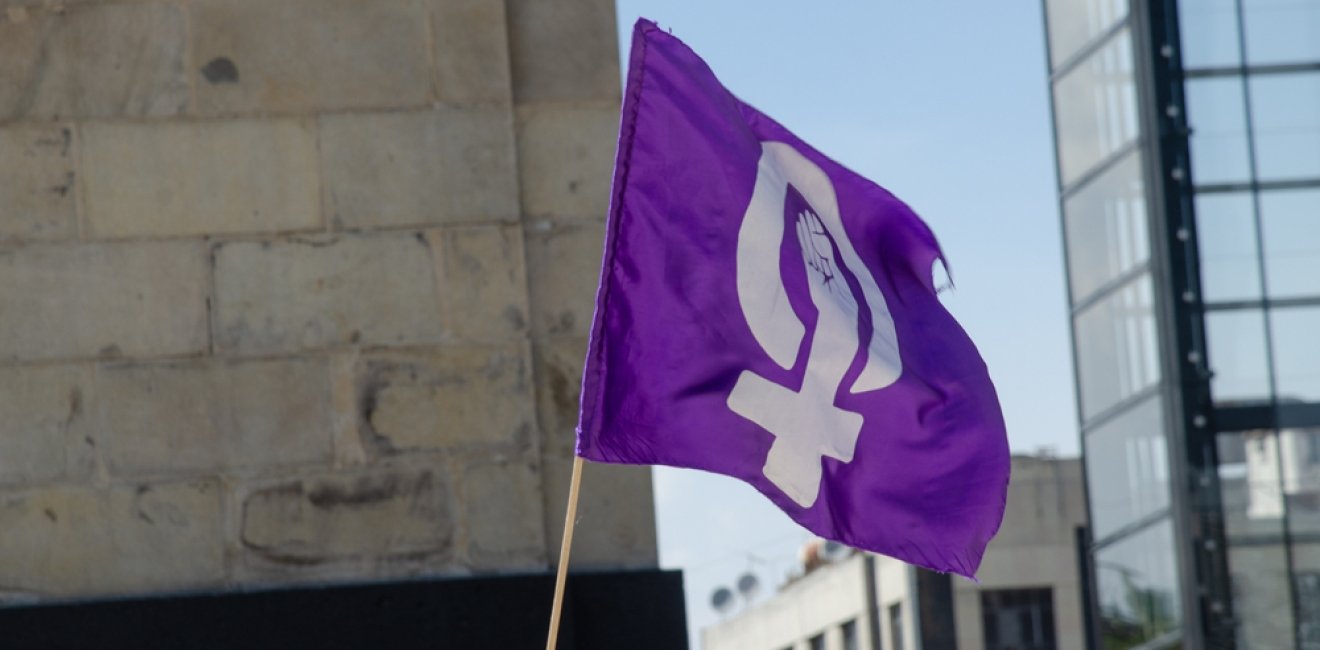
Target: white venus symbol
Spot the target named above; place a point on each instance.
(806, 424)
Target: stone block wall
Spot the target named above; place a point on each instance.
(298, 291)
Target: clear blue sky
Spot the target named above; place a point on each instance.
(946, 105)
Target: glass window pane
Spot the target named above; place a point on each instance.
(1117, 347)
(1236, 341)
(1250, 486)
(1282, 31)
(896, 635)
(1217, 114)
(1018, 619)
(1127, 468)
(1095, 108)
(849, 633)
(1226, 236)
(1074, 23)
(1306, 583)
(1137, 585)
(1286, 118)
(1105, 224)
(1290, 222)
(1209, 33)
(1296, 332)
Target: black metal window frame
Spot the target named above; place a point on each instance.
(1197, 503)
(1038, 602)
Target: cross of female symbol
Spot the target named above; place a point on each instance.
(806, 424)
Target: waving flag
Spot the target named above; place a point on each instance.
(767, 314)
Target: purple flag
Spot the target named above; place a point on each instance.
(767, 314)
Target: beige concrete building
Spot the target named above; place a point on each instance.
(1029, 597)
(297, 291)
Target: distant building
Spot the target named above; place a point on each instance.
(1029, 597)
(1188, 143)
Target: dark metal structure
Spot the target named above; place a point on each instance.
(634, 609)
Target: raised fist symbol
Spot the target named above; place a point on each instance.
(806, 424)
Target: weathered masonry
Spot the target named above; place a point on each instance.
(297, 291)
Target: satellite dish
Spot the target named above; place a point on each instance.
(721, 600)
(748, 585)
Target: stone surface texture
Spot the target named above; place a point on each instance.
(88, 300)
(416, 168)
(298, 291)
(565, 158)
(297, 56)
(37, 183)
(287, 296)
(93, 61)
(200, 178)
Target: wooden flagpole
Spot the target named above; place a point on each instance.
(570, 519)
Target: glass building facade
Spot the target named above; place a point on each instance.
(1188, 145)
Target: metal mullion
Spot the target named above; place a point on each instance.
(1258, 417)
(1134, 528)
(1259, 185)
(1263, 303)
(1098, 169)
(1111, 413)
(1264, 539)
(1254, 70)
(1110, 287)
